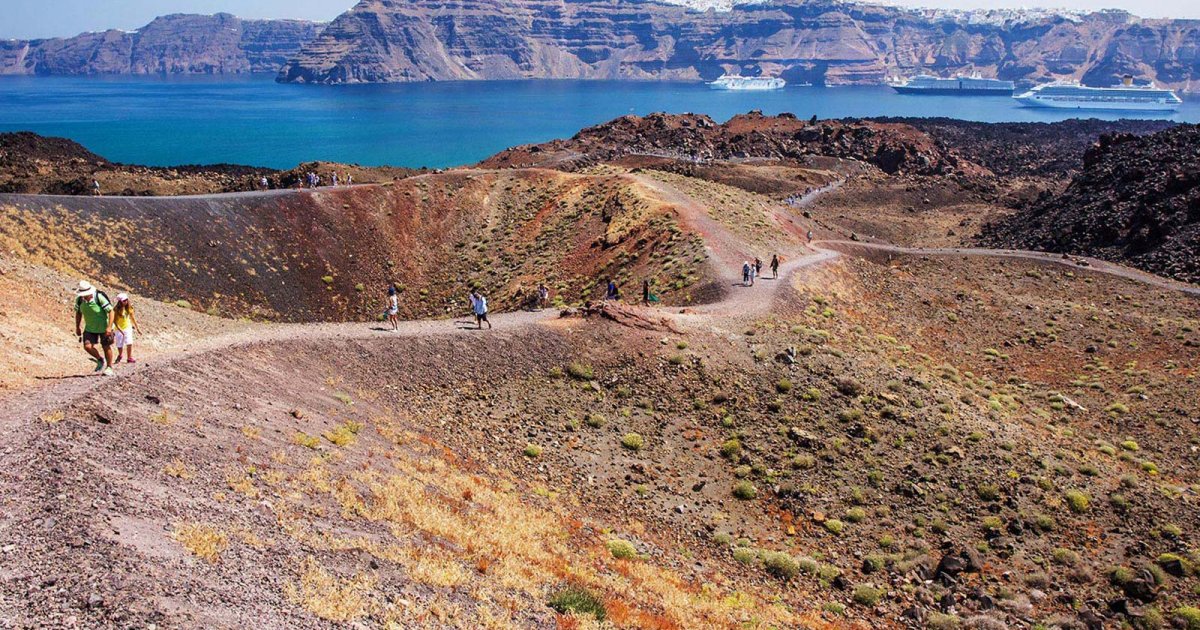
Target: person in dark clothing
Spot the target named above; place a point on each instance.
(775, 265)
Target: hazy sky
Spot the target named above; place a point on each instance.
(51, 18)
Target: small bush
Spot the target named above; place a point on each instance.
(731, 448)
(1077, 501)
(580, 372)
(855, 515)
(783, 386)
(1189, 616)
(306, 440)
(835, 608)
(594, 420)
(834, 526)
(1130, 445)
(1066, 557)
(867, 595)
(988, 491)
(745, 555)
(578, 600)
(941, 621)
(532, 450)
(633, 441)
(744, 490)
(781, 565)
(622, 549)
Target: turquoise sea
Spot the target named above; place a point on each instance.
(253, 120)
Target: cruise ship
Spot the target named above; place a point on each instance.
(973, 85)
(1125, 97)
(738, 82)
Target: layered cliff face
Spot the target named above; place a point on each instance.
(173, 44)
(834, 43)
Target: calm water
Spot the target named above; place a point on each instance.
(252, 120)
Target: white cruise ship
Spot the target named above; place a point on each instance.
(960, 85)
(738, 82)
(1125, 97)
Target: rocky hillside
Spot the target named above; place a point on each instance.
(822, 42)
(172, 44)
(1136, 200)
(891, 147)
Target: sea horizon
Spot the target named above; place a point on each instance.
(173, 120)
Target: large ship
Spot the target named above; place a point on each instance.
(738, 82)
(973, 85)
(1125, 97)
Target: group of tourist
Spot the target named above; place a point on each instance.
(314, 180)
(101, 324)
(752, 270)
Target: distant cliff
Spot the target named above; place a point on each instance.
(173, 44)
(819, 41)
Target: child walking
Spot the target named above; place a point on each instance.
(125, 324)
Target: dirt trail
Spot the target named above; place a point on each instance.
(23, 407)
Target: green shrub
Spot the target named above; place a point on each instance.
(941, 621)
(1120, 576)
(988, 491)
(867, 595)
(744, 490)
(1077, 501)
(731, 448)
(594, 420)
(578, 600)
(855, 515)
(783, 386)
(1066, 557)
(1130, 445)
(633, 441)
(622, 549)
(532, 450)
(1189, 616)
(745, 555)
(834, 608)
(834, 526)
(781, 565)
(580, 372)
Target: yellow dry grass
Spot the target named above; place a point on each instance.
(330, 597)
(202, 540)
(453, 530)
(178, 469)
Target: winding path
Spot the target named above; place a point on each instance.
(726, 249)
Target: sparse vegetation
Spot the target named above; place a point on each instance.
(633, 441)
(579, 601)
(744, 490)
(622, 549)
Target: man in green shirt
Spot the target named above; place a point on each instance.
(94, 325)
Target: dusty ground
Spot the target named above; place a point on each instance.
(957, 438)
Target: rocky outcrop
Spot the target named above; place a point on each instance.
(173, 44)
(819, 41)
(1136, 200)
(891, 147)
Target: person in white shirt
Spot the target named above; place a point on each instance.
(479, 305)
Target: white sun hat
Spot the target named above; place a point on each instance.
(85, 289)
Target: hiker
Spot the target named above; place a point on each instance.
(94, 324)
(646, 292)
(757, 266)
(335, 179)
(480, 307)
(745, 273)
(393, 308)
(810, 236)
(754, 271)
(124, 324)
(95, 187)
(613, 292)
(775, 266)
(265, 183)
(543, 296)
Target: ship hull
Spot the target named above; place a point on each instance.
(1097, 106)
(726, 88)
(953, 91)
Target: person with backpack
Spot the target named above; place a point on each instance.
(745, 273)
(775, 266)
(94, 325)
(124, 325)
(480, 307)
